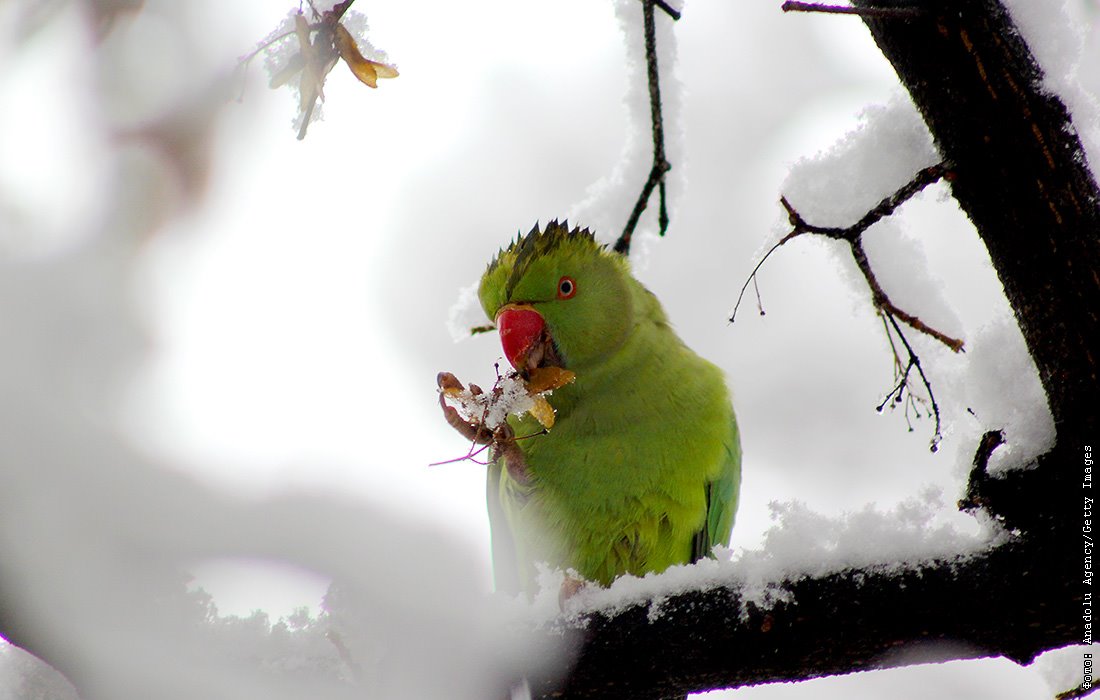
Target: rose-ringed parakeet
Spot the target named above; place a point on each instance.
(641, 468)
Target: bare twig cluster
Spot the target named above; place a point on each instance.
(322, 45)
(656, 179)
(902, 393)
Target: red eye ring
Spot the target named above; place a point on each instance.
(567, 288)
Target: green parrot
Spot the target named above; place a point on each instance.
(642, 467)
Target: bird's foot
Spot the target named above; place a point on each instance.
(570, 586)
(474, 431)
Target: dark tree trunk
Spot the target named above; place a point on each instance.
(1019, 176)
(1019, 172)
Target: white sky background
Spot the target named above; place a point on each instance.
(298, 315)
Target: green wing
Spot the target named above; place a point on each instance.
(721, 501)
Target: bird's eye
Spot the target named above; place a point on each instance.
(566, 288)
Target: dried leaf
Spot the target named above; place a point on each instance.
(452, 389)
(384, 71)
(548, 378)
(543, 412)
(313, 76)
(368, 72)
(307, 52)
(292, 68)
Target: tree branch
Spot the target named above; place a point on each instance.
(1010, 601)
(882, 12)
(978, 475)
(669, 9)
(902, 387)
(660, 164)
(890, 312)
(852, 234)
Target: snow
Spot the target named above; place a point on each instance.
(77, 164)
(1000, 386)
(838, 186)
(1061, 669)
(507, 396)
(23, 677)
(1056, 34)
(800, 543)
(465, 313)
(987, 678)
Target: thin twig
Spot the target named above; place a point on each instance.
(339, 9)
(914, 361)
(852, 234)
(660, 164)
(759, 301)
(886, 207)
(752, 275)
(901, 373)
(877, 12)
(882, 301)
(669, 9)
(1078, 692)
(898, 369)
(337, 13)
(245, 60)
(468, 456)
(902, 392)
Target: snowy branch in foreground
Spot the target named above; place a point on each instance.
(1014, 599)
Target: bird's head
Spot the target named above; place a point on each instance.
(558, 298)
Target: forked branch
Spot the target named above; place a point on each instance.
(890, 312)
(669, 9)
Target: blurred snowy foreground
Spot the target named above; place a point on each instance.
(95, 541)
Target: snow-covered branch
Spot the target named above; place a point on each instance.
(1015, 599)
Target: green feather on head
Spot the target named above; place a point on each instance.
(505, 270)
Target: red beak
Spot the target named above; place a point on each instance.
(520, 328)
